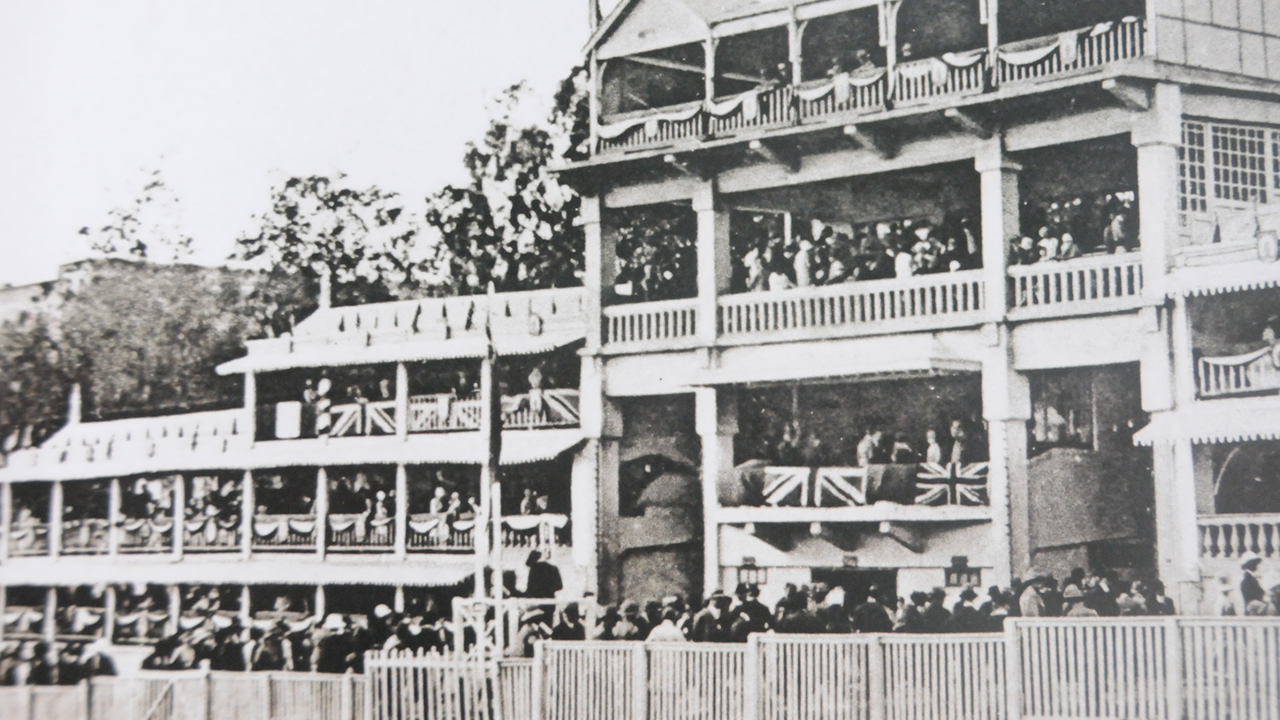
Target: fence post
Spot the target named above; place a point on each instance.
(535, 693)
(1012, 670)
(750, 679)
(85, 698)
(1173, 670)
(875, 676)
(640, 679)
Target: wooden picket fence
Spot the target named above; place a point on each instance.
(1175, 668)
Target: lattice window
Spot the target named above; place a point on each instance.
(1193, 193)
(1241, 164)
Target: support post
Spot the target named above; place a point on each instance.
(400, 542)
(480, 533)
(1000, 219)
(1012, 670)
(795, 38)
(247, 511)
(1006, 406)
(402, 401)
(714, 264)
(246, 606)
(640, 681)
(113, 517)
(55, 519)
(1157, 134)
(320, 604)
(251, 405)
(595, 491)
(175, 610)
(584, 508)
(322, 511)
(4, 605)
(397, 603)
(600, 264)
(109, 604)
(716, 418)
(179, 515)
(538, 682)
(709, 69)
(49, 623)
(6, 519)
(875, 677)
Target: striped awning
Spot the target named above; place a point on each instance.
(1221, 421)
(1226, 278)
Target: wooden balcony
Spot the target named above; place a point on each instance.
(1235, 375)
(924, 492)
(357, 532)
(142, 535)
(448, 412)
(28, 539)
(430, 532)
(1229, 537)
(209, 534)
(85, 537)
(926, 302)
(284, 532)
(652, 326)
(849, 95)
(1083, 286)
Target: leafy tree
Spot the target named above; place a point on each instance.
(361, 237)
(514, 224)
(33, 393)
(146, 224)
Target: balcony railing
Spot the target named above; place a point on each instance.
(447, 412)
(924, 484)
(140, 627)
(914, 81)
(208, 534)
(436, 532)
(853, 308)
(284, 532)
(23, 623)
(1230, 537)
(431, 531)
(661, 325)
(1099, 283)
(29, 539)
(145, 535)
(84, 537)
(1082, 49)
(364, 418)
(1246, 374)
(356, 532)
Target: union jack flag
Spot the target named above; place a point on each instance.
(952, 484)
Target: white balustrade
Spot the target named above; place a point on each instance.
(660, 325)
(1097, 283)
(284, 532)
(447, 412)
(1094, 47)
(929, 78)
(1252, 372)
(1231, 536)
(917, 303)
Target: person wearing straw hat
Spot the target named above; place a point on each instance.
(1073, 597)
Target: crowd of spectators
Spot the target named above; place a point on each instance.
(830, 255)
(1079, 226)
(36, 662)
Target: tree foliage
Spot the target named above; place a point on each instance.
(362, 238)
(514, 224)
(144, 227)
(33, 393)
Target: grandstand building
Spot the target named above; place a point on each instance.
(812, 344)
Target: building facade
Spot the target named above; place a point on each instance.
(832, 330)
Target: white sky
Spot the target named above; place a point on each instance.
(228, 97)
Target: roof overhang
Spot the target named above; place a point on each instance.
(1226, 278)
(1218, 421)
(302, 353)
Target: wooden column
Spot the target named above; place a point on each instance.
(49, 625)
(175, 609)
(179, 515)
(401, 540)
(6, 519)
(795, 38)
(600, 264)
(322, 511)
(55, 518)
(3, 610)
(595, 488)
(716, 420)
(1157, 134)
(889, 38)
(320, 604)
(402, 401)
(397, 603)
(251, 405)
(1000, 220)
(709, 71)
(246, 607)
(113, 517)
(714, 264)
(1006, 406)
(109, 603)
(247, 511)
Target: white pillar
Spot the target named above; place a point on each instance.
(109, 602)
(1006, 406)
(247, 511)
(714, 268)
(402, 401)
(716, 418)
(175, 610)
(795, 37)
(179, 515)
(246, 606)
(113, 517)
(320, 604)
(583, 508)
(3, 611)
(600, 265)
(1157, 134)
(322, 511)
(400, 542)
(1000, 219)
(6, 519)
(709, 68)
(595, 482)
(397, 603)
(55, 518)
(251, 405)
(49, 626)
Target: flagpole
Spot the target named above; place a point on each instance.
(489, 547)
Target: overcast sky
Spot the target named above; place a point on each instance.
(227, 98)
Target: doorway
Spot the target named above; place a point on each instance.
(857, 583)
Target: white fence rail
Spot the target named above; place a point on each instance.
(1102, 283)
(1231, 536)
(1238, 374)
(1192, 668)
(661, 325)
